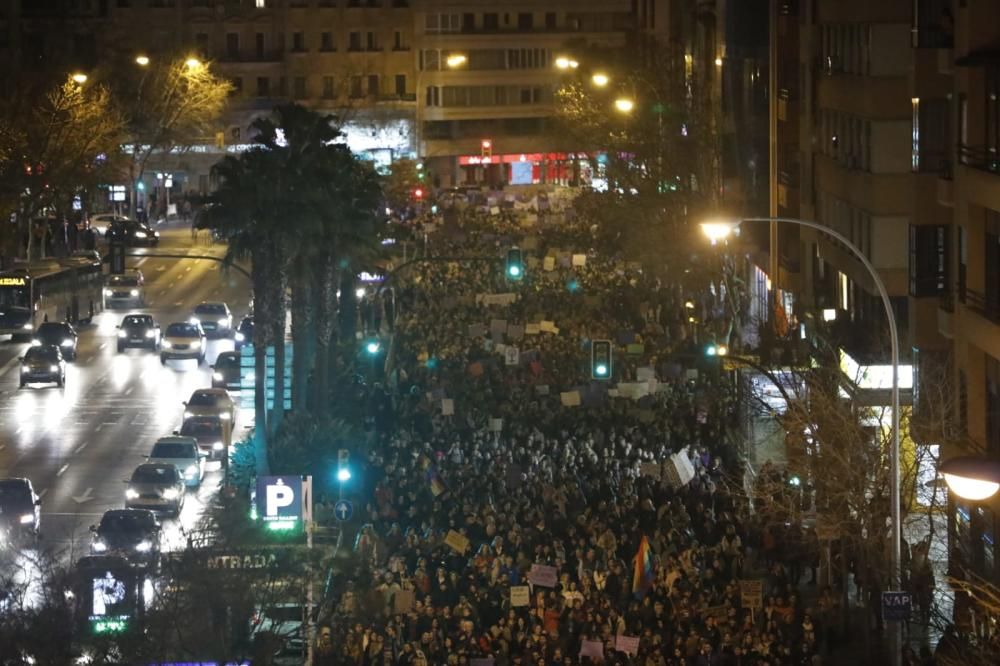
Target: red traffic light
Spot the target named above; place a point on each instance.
(418, 193)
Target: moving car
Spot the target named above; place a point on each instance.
(58, 334)
(20, 512)
(138, 330)
(210, 402)
(156, 486)
(132, 533)
(211, 432)
(215, 319)
(226, 371)
(102, 221)
(127, 289)
(44, 363)
(183, 340)
(131, 232)
(244, 332)
(183, 453)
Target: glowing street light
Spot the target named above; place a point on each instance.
(600, 79)
(562, 62)
(142, 60)
(343, 474)
(456, 60)
(971, 477)
(719, 230)
(373, 347)
(78, 77)
(192, 63)
(624, 105)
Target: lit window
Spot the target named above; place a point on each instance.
(261, 4)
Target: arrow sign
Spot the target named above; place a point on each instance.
(85, 497)
(343, 510)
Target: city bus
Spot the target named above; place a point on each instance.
(68, 289)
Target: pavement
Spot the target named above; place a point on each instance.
(79, 444)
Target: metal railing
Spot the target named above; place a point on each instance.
(979, 157)
(984, 305)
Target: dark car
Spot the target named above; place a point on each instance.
(20, 515)
(132, 533)
(138, 331)
(58, 334)
(43, 364)
(215, 319)
(226, 371)
(211, 432)
(157, 487)
(244, 332)
(131, 232)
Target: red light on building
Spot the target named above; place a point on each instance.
(418, 193)
(487, 148)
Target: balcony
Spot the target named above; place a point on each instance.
(946, 315)
(984, 305)
(979, 157)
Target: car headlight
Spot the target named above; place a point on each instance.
(217, 376)
(143, 546)
(27, 518)
(151, 333)
(192, 470)
(107, 292)
(166, 344)
(36, 343)
(68, 342)
(134, 292)
(225, 416)
(170, 493)
(131, 494)
(240, 337)
(217, 446)
(140, 234)
(53, 368)
(122, 334)
(25, 368)
(156, 233)
(27, 326)
(196, 344)
(99, 546)
(224, 322)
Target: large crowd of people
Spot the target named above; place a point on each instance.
(523, 513)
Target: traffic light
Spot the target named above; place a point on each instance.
(515, 264)
(418, 193)
(343, 466)
(600, 359)
(486, 148)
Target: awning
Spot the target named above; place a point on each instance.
(979, 58)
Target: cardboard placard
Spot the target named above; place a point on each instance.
(402, 601)
(548, 326)
(498, 327)
(520, 595)
(531, 329)
(594, 649)
(496, 425)
(497, 299)
(447, 406)
(635, 349)
(652, 469)
(719, 612)
(476, 330)
(457, 542)
(511, 356)
(543, 575)
(627, 644)
(549, 263)
(515, 331)
(570, 398)
(644, 374)
(579, 260)
(752, 594)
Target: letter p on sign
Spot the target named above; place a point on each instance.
(278, 496)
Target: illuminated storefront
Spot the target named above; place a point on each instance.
(528, 168)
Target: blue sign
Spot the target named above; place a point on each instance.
(279, 498)
(343, 510)
(896, 606)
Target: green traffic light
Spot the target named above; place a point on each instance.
(514, 270)
(601, 370)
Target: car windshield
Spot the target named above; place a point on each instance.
(14, 493)
(137, 320)
(154, 474)
(227, 361)
(124, 281)
(126, 521)
(202, 400)
(172, 450)
(50, 354)
(182, 330)
(202, 428)
(51, 330)
(211, 309)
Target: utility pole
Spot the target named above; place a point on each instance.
(772, 162)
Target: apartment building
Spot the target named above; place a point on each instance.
(486, 79)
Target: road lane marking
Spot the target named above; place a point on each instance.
(178, 304)
(62, 469)
(103, 345)
(41, 493)
(129, 390)
(10, 364)
(2, 447)
(141, 261)
(81, 447)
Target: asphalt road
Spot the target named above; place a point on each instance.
(79, 444)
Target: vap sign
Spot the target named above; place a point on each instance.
(284, 498)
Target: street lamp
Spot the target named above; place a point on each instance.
(562, 62)
(192, 63)
(971, 477)
(78, 77)
(142, 60)
(624, 105)
(717, 230)
(456, 60)
(343, 474)
(600, 79)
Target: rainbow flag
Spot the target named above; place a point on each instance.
(643, 570)
(434, 479)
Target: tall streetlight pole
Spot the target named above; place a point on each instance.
(719, 230)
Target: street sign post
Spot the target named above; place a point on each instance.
(283, 502)
(343, 510)
(897, 606)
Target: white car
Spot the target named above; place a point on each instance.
(215, 318)
(211, 402)
(183, 340)
(183, 453)
(127, 289)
